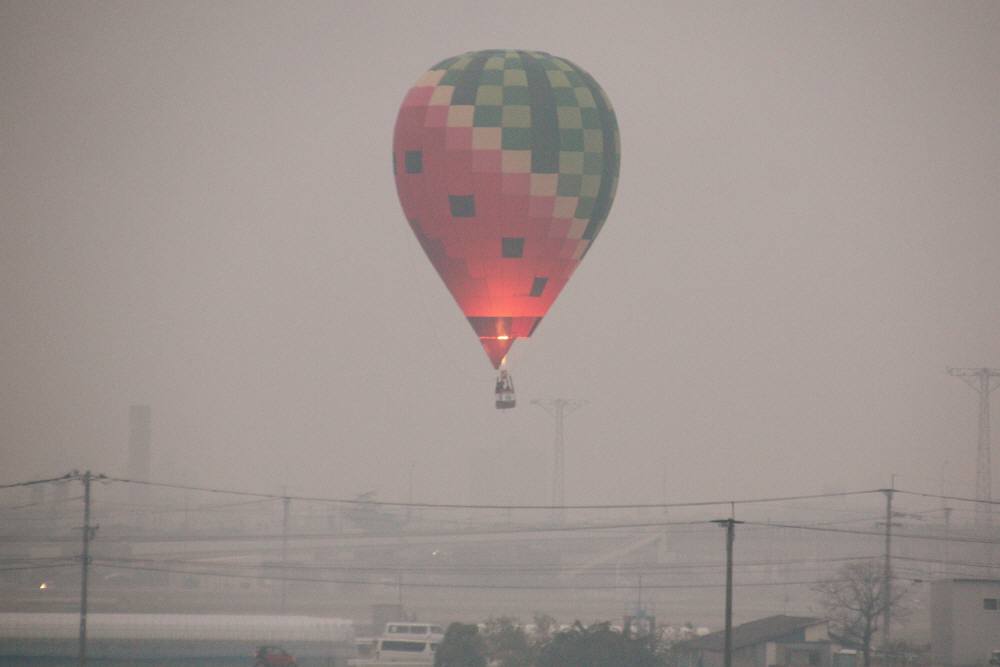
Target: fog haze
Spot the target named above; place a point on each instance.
(197, 212)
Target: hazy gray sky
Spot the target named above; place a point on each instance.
(197, 212)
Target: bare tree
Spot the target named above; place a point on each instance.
(854, 601)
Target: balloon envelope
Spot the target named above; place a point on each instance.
(506, 165)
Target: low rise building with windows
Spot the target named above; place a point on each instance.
(965, 621)
(775, 641)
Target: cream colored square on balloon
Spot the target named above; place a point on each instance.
(516, 162)
(570, 162)
(516, 115)
(558, 79)
(569, 118)
(489, 96)
(576, 228)
(580, 249)
(584, 97)
(515, 77)
(593, 141)
(565, 207)
(495, 62)
(441, 95)
(486, 137)
(590, 185)
(431, 78)
(545, 184)
(461, 115)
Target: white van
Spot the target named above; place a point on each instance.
(402, 644)
(413, 651)
(414, 629)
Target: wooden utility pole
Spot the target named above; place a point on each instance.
(730, 525)
(88, 534)
(285, 511)
(887, 571)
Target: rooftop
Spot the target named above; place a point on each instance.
(754, 632)
(260, 629)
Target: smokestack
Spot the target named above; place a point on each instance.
(139, 436)
(139, 418)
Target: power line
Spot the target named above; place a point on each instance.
(17, 485)
(34, 559)
(51, 562)
(111, 564)
(872, 533)
(937, 561)
(555, 568)
(492, 531)
(463, 570)
(486, 532)
(40, 504)
(38, 567)
(942, 497)
(366, 502)
(134, 508)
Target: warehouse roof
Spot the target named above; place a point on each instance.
(755, 632)
(177, 626)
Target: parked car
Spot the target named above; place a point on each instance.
(273, 656)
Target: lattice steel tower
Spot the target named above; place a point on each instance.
(558, 408)
(984, 381)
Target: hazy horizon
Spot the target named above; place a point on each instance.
(197, 213)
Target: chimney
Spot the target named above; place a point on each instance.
(139, 435)
(139, 417)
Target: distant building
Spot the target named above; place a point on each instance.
(191, 639)
(775, 641)
(965, 621)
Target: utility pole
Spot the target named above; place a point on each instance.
(730, 525)
(409, 496)
(558, 408)
(887, 570)
(983, 381)
(947, 541)
(88, 534)
(946, 510)
(286, 506)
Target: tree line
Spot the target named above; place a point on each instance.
(854, 600)
(504, 643)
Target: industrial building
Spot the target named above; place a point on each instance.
(965, 621)
(775, 641)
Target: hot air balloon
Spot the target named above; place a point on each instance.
(506, 165)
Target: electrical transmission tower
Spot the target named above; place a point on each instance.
(558, 408)
(984, 381)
